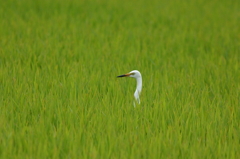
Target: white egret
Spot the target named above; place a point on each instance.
(137, 75)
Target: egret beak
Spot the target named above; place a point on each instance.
(125, 75)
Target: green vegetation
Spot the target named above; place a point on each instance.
(60, 97)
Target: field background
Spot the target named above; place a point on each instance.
(60, 97)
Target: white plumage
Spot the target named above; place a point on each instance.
(137, 75)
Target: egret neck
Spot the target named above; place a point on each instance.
(138, 89)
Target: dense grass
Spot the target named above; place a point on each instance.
(60, 97)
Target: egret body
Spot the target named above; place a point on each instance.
(137, 75)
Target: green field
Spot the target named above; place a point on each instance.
(60, 97)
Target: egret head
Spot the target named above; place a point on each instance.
(134, 74)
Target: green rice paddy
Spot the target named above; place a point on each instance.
(60, 97)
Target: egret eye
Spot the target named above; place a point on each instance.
(132, 73)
